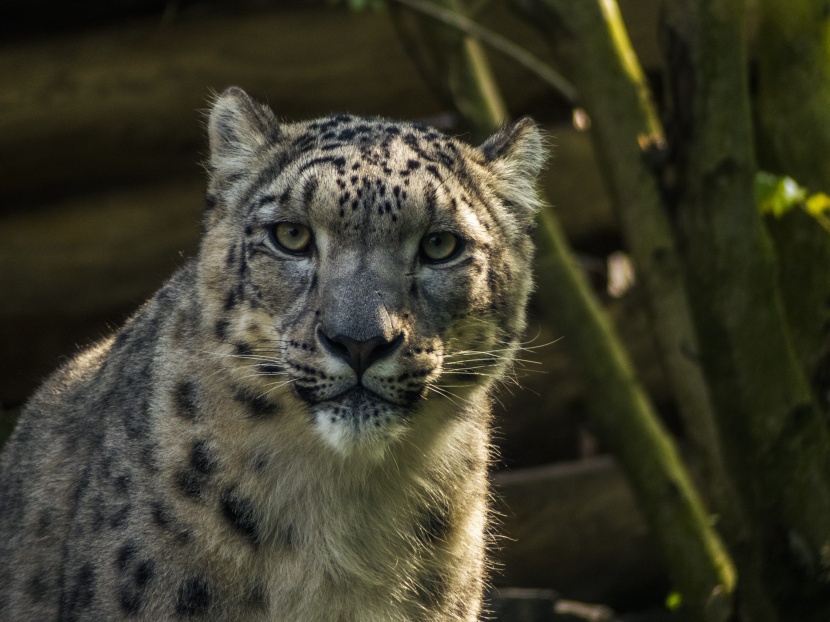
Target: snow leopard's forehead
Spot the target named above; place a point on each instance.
(365, 179)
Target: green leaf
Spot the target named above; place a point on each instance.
(674, 601)
(777, 195)
(817, 204)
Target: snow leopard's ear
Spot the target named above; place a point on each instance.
(515, 155)
(238, 128)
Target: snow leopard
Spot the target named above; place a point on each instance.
(296, 426)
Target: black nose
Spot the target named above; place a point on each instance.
(360, 355)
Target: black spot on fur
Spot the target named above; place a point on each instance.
(144, 573)
(258, 406)
(270, 369)
(130, 599)
(194, 597)
(310, 188)
(184, 397)
(126, 553)
(77, 597)
(221, 326)
(123, 483)
(430, 198)
(202, 459)
(97, 520)
(493, 282)
(434, 524)
(36, 586)
(131, 593)
(161, 514)
(230, 301)
(119, 518)
(240, 514)
(265, 200)
(190, 483)
(347, 134)
(338, 162)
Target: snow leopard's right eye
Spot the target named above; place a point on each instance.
(440, 246)
(291, 237)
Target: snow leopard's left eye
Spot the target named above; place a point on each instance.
(291, 237)
(440, 246)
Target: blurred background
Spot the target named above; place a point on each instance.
(101, 189)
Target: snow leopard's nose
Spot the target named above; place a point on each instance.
(359, 354)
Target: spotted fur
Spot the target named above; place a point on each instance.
(230, 453)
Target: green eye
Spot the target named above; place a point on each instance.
(440, 246)
(291, 237)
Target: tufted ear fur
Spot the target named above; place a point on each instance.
(516, 155)
(238, 128)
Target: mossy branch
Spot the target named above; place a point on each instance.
(494, 40)
(589, 40)
(452, 63)
(623, 417)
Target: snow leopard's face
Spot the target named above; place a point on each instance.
(372, 270)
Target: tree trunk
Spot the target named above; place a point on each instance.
(589, 40)
(778, 445)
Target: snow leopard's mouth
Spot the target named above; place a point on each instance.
(359, 397)
(360, 418)
(400, 394)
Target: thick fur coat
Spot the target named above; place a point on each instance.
(295, 427)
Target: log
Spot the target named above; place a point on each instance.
(122, 104)
(100, 108)
(95, 253)
(575, 528)
(78, 268)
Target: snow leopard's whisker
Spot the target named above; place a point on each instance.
(494, 351)
(465, 361)
(233, 355)
(493, 372)
(253, 357)
(455, 386)
(448, 394)
(261, 374)
(278, 385)
(509, 347)
(469, 372)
